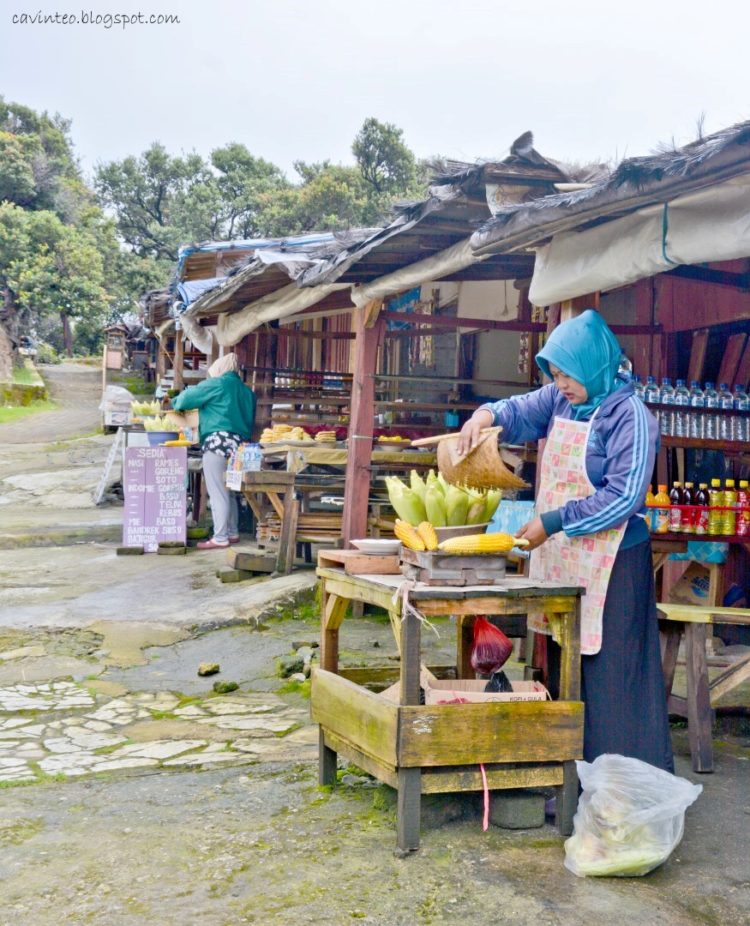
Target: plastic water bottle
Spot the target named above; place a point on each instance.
(696, 419)
(711, 429)
(666, 398)
(740, 421)
(682, 403)
(651, 395)
(638, 388)
(625, 369)
(726, 402)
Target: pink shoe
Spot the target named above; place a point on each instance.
(212, 545)
(235, 538)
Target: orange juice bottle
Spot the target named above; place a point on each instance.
(661, 500)
(650, 512)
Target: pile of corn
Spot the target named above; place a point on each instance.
(161, 423)
(423, 537)
(146, 408)
(439, 503)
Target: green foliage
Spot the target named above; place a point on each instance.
(36, 158)
(145, 194)
(384, 160)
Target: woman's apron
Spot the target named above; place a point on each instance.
(584, 561)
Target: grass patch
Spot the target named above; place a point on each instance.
(10, 413)
(25, 376)
(291, 686)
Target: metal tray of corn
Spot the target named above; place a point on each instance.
(438, 568)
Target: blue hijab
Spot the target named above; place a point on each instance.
(585, 349)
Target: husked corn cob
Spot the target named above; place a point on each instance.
(408, 535)
(482, 543)
(427, 532)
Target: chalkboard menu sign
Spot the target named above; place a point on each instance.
(154, 481)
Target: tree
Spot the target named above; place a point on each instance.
(384, 160)
(37, 165)
(147, 196)
(51, 269)
(245, 185)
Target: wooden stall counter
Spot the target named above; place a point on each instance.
(421, 749)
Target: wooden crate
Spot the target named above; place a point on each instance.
(521, 744)
(356, 563)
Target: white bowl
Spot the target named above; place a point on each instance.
(376, 546)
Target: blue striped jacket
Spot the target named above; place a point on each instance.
(620, 457)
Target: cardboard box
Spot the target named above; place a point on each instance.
(473, 690)
(188, 419)
(692, 587)
(393, 692)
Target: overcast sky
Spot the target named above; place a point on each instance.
(462, 78)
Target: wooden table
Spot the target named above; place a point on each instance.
(420, 749)
(691, 623)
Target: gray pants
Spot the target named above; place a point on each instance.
(223, 501)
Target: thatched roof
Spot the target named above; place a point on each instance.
(635, 183)
(457, 203)
(270, 267)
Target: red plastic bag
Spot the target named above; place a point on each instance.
(490, 649)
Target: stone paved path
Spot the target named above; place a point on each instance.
(65, 729)
(77, 390)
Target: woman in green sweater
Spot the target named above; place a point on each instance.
(227, 415)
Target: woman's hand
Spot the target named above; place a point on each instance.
(469, 435)
(534, 532)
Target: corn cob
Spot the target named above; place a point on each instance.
(482, 543)
(427, 532)
(491, 501)
(475, 514)
(406, 503)
(434, 503)
(456, 506)
(432, 480)
(408, 535)
(417, 484)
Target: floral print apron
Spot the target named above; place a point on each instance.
(587, 560)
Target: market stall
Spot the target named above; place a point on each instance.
(442, 747)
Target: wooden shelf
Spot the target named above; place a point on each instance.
(700, 443)
(427, 406)
(303, 399)
(702, 538)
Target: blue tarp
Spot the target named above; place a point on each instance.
(190, 290)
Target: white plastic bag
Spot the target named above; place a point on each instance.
(630, 817)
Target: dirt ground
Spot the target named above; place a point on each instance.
(133, 793)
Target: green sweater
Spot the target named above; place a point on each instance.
(225, 403)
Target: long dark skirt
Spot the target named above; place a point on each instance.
(622, 685)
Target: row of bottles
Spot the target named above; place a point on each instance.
(684, 412)
(704, 510)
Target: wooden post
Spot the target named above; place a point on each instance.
(569, 308)
(408, 804)
(179, 361)
(643, 360)
(361, 425)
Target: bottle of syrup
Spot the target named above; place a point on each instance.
(687, 521)
(675, 513)
(701, 502)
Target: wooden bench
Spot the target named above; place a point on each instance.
(678, 621)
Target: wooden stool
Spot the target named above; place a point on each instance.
(691, 621)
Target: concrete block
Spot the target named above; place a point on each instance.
(517, 809)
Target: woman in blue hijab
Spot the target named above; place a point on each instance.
(599, 454)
